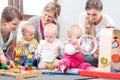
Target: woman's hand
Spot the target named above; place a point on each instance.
(96, 54)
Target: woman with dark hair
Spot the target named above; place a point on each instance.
(10, 19)
(91, 22)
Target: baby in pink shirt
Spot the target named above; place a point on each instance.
(73, 58)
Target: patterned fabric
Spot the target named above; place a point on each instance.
(31, 45)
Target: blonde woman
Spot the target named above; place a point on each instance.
(91, 22)
(50, 14)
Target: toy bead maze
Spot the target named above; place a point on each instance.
(109, 55)
(13, 67)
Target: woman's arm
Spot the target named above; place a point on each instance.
(13, 43)
(2, 57)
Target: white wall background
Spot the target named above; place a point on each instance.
(112, 9)
(72, 8)
(3, 3)
(69, 15)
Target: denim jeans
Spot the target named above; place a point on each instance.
(36, 62)
(91, 59)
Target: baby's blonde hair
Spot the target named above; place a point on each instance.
(27, 26)
(51, 28)
(72, 29)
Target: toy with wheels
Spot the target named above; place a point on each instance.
(88, 44)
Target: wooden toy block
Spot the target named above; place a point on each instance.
(109, 52)
(21, 74)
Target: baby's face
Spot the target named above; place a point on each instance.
(49, 37)
(29, 35)
(75, 37)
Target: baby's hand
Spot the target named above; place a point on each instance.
(37, 56)
(77, 46)
(1, 51)
(96, 54)
(93, 69)
(65, 42)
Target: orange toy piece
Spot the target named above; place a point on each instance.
(116, 58)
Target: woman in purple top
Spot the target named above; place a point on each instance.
(49, 15)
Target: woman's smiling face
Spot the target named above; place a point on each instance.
(12, 25)
(94, 15)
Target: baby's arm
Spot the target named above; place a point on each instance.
(37, 53)
(70, 49)
(33, 46)
(39, 49)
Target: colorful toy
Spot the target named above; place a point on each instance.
(29, 63)
(13, 67)
(9, 54)
(109, 56)
(115, 43)
(4, 66)
(115, 58)
(90, 42)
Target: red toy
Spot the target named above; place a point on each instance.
(99, 74)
